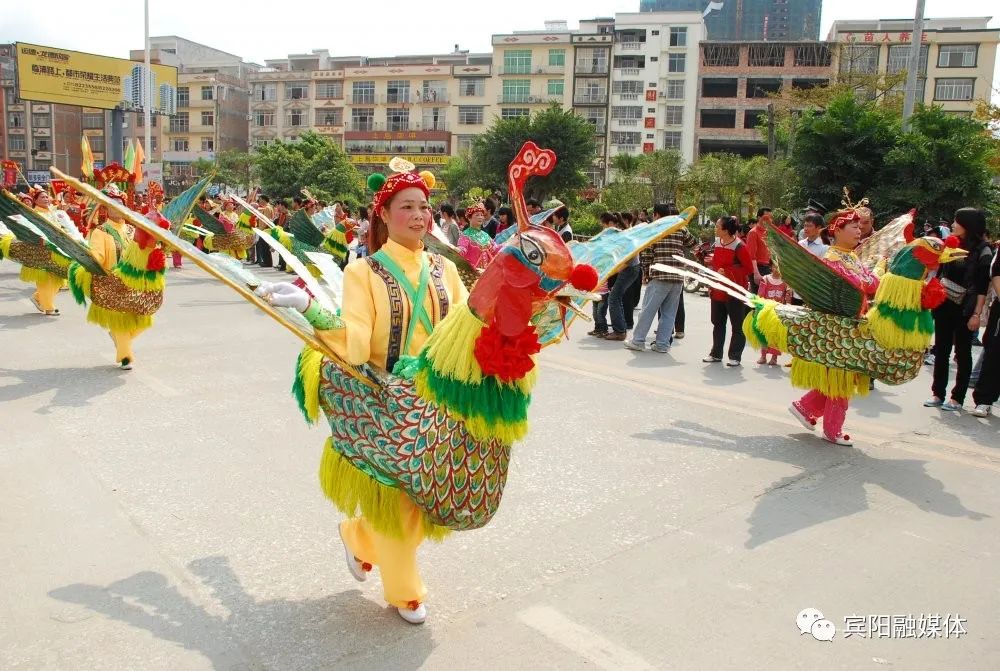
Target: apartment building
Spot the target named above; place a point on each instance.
(213, 95)
(654, 82)
(735, 80)
(957, 61)
(591, 57)
(425, 108)
(750, 20)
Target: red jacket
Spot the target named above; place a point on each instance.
(757, 244)
(733, 261)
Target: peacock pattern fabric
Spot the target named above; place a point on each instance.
(842, 343)
(407, 442)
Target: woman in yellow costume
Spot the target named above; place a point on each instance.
(131, 291)
(393, 299)
(47, 285)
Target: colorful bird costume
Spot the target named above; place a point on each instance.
(42, 263)
(424, 449)
(838, 342)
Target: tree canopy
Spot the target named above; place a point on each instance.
(570, 136)
(313, 162)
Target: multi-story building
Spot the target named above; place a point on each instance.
(591, 59)
(957, 61)
(750, 20)
(212, 99)
(735, 81)
(426, 108)
(654, 81)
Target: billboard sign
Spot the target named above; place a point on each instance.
(47, 74)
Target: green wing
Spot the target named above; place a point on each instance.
(23, 233)
(820, 285)
(607, 253)
(54, 233)
(179, 209)
(303, 229)
(208, 222)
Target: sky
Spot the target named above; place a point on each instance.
(387, 28)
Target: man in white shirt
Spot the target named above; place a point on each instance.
(449, 225)
(812, 227)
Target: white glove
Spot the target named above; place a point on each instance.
(283, 295)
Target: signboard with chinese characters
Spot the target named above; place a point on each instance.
(903, 37)
(47, 74)
(648, 147)
(38, 176)
(650, 122)
(651, 96)
(383, 159)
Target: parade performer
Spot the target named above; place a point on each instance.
(42, 264)
(838, 342)
(425, 449)
(475, 244)
(128, 290)
(230, 233)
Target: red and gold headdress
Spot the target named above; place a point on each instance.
(474, 208)
(404, 176)
(850, 212)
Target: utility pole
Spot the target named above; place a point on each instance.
(771, 139)
(913, 68)
(147, 103)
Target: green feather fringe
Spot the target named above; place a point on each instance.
(921, 321)
(78, 278)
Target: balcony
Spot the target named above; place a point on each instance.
(591, 68)
(631, 45)
(590, 99)
(627, 123)
(433, 96)
(525, 99)
(361, 98)
(180, 127)
(396, 127)
(535, 70)
(627, 72)
(627, 97)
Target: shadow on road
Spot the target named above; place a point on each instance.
(817, 495)
(74, 387)
(270, 634)
(26, 320)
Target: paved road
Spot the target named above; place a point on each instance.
(662, 514)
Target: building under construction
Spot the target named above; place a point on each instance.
(750, 20)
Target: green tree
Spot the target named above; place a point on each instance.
(314, 162)
(663, 169)
(232, 168)
(626, 165)
(941, 164)
(570, 136)
(457, 176)
(844, 146)
(627, 191)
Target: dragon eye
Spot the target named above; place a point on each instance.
(532, 251)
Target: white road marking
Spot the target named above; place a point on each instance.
(590, 645)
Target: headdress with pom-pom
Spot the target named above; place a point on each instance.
(404, 176)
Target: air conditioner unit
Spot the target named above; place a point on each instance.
(249, 117)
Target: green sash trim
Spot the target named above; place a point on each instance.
(418, 310)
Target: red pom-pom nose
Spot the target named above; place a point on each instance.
(583, 277)
(952, 241)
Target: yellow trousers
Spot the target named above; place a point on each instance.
(46, 290)
(123, 344)
(396, 558)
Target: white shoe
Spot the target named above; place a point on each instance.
(733, 363)
(413, 615)
(126, 364)
(356, 568)
(982, 411)
(843, 440)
